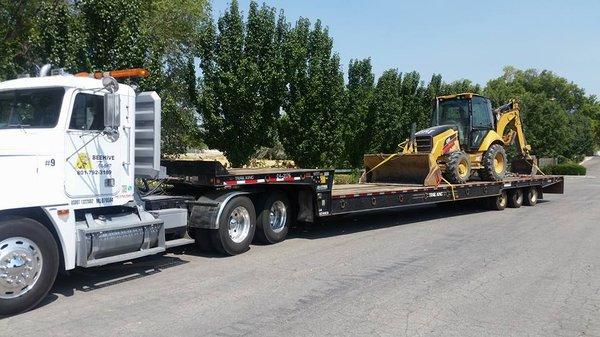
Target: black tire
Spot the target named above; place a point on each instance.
(499, 202)
(492, 171)
(222, 240)
(458, 167)
(515, 198)
(202, 238)
(11, 229)
(531, 196)
(265, 231)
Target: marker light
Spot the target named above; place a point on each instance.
(123, 73)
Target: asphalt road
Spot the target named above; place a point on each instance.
(430, 271)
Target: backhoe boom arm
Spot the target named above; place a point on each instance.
(508, 118)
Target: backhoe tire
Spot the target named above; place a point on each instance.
(494, 164)
(515, 198)
(29, 261)
(458, 168)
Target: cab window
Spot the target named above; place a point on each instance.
(482, 113)
(30, 108)
(88, 112)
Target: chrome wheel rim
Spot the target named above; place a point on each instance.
(21, 264)
(277, 216)
(239, 224)
(533, 195)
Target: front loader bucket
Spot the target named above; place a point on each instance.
(521, 165)
(418, 169)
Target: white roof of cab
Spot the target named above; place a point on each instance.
(68, 81)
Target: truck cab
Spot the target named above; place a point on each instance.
(68, 162)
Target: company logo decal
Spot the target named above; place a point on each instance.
(83, 162)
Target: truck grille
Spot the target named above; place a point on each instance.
(424, 144)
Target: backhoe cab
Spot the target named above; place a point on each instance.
(465, 136)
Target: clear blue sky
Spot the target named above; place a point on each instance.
(459, 39)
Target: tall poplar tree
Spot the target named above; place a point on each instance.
(357, 119)
(386, 110)
(311, 125)
(244, 84)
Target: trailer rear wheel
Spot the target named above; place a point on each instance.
(237, 225)
(28, 264)
(515, 198)
(499, 202)
(273, 221)
(531, 197)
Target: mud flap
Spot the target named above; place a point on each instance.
(418, 169)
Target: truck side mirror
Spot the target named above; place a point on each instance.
(112, 111)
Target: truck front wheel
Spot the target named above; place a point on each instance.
(237, 224)
(28, 264)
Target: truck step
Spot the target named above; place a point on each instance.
(178, 242)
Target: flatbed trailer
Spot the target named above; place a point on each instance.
(72, 200)
(314, 194)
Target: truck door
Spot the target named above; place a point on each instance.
(96, 164)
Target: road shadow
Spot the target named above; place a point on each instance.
(349, 224)
(90, 279)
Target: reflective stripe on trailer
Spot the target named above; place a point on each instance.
(259, 181)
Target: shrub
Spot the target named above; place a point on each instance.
(347, 178)
(572, 169)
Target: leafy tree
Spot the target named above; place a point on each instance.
(559, 119)
(414, 109)
(244, 84)
(459, 86)
(17, 31)
(60, 37)
(310, 127)
(583, 135)
(113, 33)
(358, 122)
(386, 109)
(433, 90)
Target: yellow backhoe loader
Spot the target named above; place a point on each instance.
(465, 136)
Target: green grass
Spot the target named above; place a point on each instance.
(347, 178)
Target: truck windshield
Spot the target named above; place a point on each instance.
(30, 108)
(453, 112)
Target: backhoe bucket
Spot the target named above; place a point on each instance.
(521, 165)
(418, 169)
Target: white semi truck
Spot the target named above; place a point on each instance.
(71, 148)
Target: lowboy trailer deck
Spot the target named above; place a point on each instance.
(314, 195)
